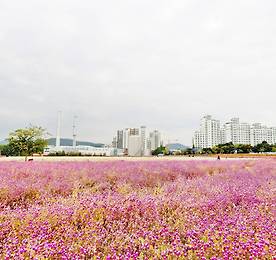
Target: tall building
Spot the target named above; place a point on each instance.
(260, 133)
(244, 133)
(208, 134)
(256, 134)
(226, 133)
(114, 142)
(58, 129)
(273, 130)
(120, 139)
(126, 135)
(143, 139)
(155, 139)
(127, 139)
(198, 140)
(233, 131)
(133, 131)
(127, 143)
(134, 145)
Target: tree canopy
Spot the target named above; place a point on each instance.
(230, 148)
(160, 150)
(27, 141)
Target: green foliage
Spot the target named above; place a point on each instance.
(207, 150)
(161, 150)
(27, 141)
(230, 148)
(264, 147)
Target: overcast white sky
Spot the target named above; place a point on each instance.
(122, 63)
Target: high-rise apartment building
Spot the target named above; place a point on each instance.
(233, 131)
(155, 139)
(127, 139)
(143, 139)
(244, 129)
(134, 145)
(256, 134)
(120, 139)
(114, 142)
(133, 131)
(260, 133)
(208, 134)
(273, 130)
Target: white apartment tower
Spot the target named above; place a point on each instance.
(233, 131)
(208, 134)
(155, 139)
(134, 145)
(143, 140)
(260, 133)
(256, 134)
(120, 139)
(244, 133)
(133, 141)
(273, 130)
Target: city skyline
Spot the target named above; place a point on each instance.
(212, 132)
(114, 64)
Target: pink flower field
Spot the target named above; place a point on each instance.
(138, 210)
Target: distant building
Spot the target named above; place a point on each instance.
(210, 133)
(155, 139)
(134, 145)
(273, 130)
(133, 131)
(260, 133)
(143, 140)
(120, 139)
(244, 137)
(84, 150)
(127, 139)
(114, 142)
(235, 132)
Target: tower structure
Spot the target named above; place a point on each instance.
(58, 129)
(74, 132)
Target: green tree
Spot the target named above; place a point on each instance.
(7, 150)
(243, 148)
(27, 141)
(160, 150)
(262, 147)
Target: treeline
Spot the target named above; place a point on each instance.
(227, 148)
(230, 148)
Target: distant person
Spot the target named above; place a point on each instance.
(218, 157)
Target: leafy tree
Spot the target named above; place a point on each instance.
(207, 150)
(7, 150)
(160, 150)
(263, 147)
(27, 141)
(243, 148)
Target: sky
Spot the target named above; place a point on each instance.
(126, 63)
